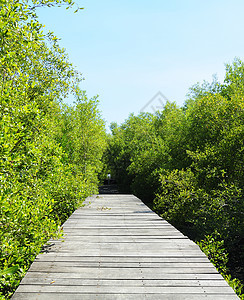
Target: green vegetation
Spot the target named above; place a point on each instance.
(50, 153)
(187, 163)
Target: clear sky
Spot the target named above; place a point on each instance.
(129, 50)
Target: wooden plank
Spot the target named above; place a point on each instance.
(126, 282)
(51, 288)
(117, 248)
(95, 273)
(118, 264)
(121, 259)
(102, 296)
(123, 272)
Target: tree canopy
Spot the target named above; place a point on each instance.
(187, 163)
(50, 152)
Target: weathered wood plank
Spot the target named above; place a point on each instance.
(126, 282)
(118, 264)
(126, 271)
(102, 296)
(120, 259)
(121, 276)
(51, 288)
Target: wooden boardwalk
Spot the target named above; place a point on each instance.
(117, 248)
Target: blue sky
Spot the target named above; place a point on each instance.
(130, 50)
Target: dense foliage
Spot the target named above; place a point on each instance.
(50, 153)
(189, 160)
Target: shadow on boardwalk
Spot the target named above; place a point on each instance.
(108, 189)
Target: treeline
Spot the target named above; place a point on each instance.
(50, 153)
(187, 163)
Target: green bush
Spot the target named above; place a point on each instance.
(43, 179)
(189, 160)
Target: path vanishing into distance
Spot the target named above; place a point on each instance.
(115, 247)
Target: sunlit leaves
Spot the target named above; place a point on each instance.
(192, 158)
(39, 184)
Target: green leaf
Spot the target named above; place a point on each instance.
(9, 271)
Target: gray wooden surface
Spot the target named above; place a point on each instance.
(117, 248)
